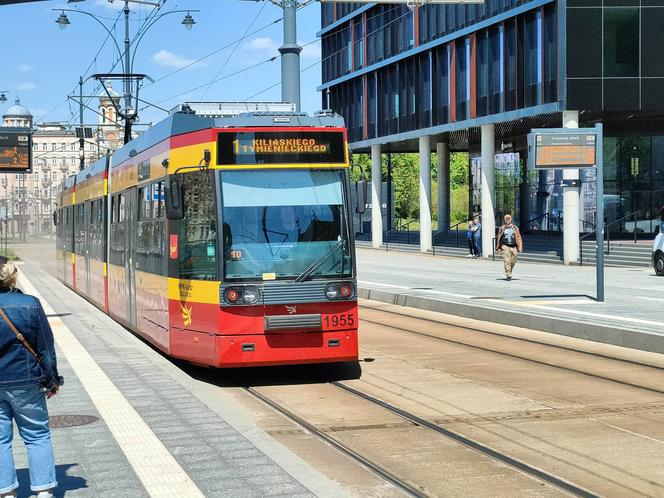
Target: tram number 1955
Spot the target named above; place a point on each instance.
(340, 320)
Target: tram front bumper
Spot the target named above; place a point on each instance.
(286, 348)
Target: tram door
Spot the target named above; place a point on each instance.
(86, 244)
(130, 261)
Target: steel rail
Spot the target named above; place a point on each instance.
(519, 357)
(474, 445)
(377, 469)
(516, 338)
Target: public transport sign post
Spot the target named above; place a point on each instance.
(575, 148)
(15, 150)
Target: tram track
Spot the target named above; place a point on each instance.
(376, 468)
(400, 482)
(523, 357)
(504, 336)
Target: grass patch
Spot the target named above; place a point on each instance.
(10, 254)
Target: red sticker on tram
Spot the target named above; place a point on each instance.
(173, 246)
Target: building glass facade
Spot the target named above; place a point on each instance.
(506, 65)
(396, 73)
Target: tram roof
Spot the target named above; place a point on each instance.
(97, 167)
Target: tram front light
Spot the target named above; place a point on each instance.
(250, 295)
(331, 292)
(345, 291)
(232, 296)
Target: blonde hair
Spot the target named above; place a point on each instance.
(8, 274)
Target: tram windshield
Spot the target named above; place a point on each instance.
(279, 223)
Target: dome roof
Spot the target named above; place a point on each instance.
(104, 96)
(17, 111)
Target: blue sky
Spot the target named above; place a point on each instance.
(43, 63)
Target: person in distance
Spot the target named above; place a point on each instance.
(470, 235)
(28, 375)
(510, 244)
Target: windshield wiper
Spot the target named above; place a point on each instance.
(317, 264)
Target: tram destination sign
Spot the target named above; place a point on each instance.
(15, 150)
(281, 147)
(556, 149)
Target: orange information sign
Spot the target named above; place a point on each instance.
(571, 150)
(15, 151)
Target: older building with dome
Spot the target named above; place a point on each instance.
(27, 200)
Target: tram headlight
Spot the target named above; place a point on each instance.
(242, 295)
(346, 291)
(337, 291)
(232, 296)
(250, 295)
(331, 292)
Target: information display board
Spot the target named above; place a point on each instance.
(15, 150)
(281, 147)
(565, 150)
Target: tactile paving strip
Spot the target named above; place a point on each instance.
(154, 465)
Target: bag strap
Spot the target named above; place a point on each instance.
(20, 336)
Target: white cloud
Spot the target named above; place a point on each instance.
(116, 5)
(169, 59)
(311, 52)
(28, 85)
(24, 68)
(262, 44)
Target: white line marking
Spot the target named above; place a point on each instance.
(154, 465)
(428, 291)
(595, 315)
(638, 434)
(529, 305)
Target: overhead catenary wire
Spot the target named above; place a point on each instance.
(334, 54)
(224, 47)
(260, 11)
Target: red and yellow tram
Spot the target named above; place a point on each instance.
(224, 241)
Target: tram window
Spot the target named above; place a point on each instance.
(198, 229)
(121, 208)
(158, 197)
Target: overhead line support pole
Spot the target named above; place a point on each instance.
(81, 139)
(290, 56)
(127, 88)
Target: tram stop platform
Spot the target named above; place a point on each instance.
(131, 423)
(550, 298)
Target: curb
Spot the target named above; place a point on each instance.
(624, 337)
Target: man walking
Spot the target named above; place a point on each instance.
(509, 242)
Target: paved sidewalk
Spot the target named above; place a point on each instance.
(92, 460)
(542, 294)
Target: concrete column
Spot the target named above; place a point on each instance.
(425, 193)
(376, 186)
(571, 202)
(488, 190)
(443, 153)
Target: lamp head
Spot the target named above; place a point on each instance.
(188, 21)
(63, 20)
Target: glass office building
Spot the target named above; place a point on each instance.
(396, 74)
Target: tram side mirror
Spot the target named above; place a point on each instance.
(361, 190)
(55, 218)
(173, 198)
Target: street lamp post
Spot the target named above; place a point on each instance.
(129, 115)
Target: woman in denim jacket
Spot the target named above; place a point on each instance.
(24, 386)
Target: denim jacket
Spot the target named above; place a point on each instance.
(18, 367)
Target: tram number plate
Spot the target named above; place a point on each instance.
(339, 320)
